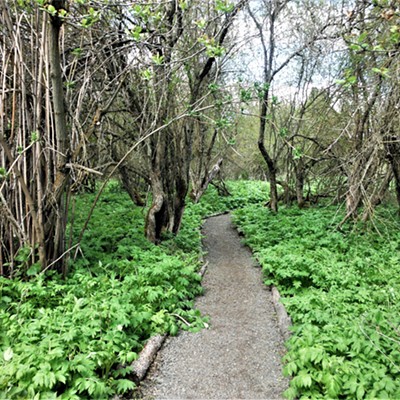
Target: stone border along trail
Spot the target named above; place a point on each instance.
(239, 356)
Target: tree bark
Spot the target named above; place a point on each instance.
(201, 187)
(273, 190)
(131, 186)
(392, 147)
(269, 72)
(57, 212)
(377, 196)
(171, 150)
(300, 184)
(158, 212)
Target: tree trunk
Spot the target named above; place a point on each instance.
(130, 186)
(57, 212)
(300, 185)
(392, 147)
(166, 211)
(353, 196)
(157, 213)
(180, 202)
(273, 189)
(171, 149)
(377, 196)
(169, 183)
(359, 179)
(199, 189)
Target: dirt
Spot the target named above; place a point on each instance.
(239, 356)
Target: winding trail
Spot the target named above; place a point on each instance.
(238, 357)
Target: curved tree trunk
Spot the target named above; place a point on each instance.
(169, 184)
(171, 149)
(157, 214)
(131, 186)
(273, 190)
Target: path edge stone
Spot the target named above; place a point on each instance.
(146, 357)
(284, 320)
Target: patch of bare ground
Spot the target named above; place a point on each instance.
(239, 356)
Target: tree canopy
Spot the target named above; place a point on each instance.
(170, 96)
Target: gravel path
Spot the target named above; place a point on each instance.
(239, 356)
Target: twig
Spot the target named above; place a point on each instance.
(59, 258)
(182, 319)
(203, 269)
(78, 166)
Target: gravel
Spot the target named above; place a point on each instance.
(239, 356)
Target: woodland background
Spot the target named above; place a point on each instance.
(162, 94)
(123, 124)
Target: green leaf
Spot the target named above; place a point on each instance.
(6, 299)
(157, 59)
(355, 47)
(39, 379)
(33, 270)
(290, 393)
(360, 392)
(77, 52)
(351, 79)
(60, 377)
(131, 356)
(147, 74)
(283, 132)
(201, 23)
(305, 379)
(123, 385)
(224, 6)
(381, 71)
(290, 369)
(173, 331)
(245, 95)
(34, 136)
(297, 153)
(51, 9)
(332, 386)
(8, 354)
(183, 4)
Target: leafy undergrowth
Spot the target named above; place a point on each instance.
(342, 291)
(70, 338)
(67, 337)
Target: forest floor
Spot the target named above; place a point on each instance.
(239, 356)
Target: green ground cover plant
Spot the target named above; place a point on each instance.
(342, 291)
(70, 338)
(76, 338)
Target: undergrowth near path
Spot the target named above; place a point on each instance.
(342, 291)
(76, 338)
